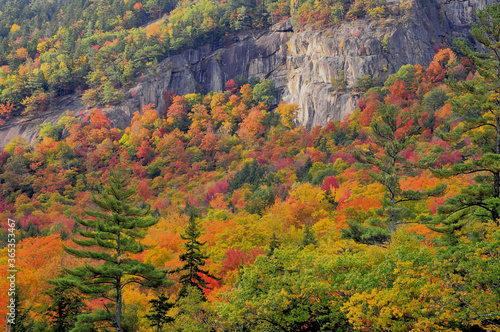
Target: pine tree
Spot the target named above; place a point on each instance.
(23, 321)
(116, 230)
(65, 307)
(158, 315)
(273, 245)
(309, 236)
(394, 131)
(477, 104)
(193, 258)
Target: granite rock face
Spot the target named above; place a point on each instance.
(302, 63)
(208, 69)
(365, 48)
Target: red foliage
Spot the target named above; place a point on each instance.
(5, 112)
(282, 163)
(370, 105)
(236, 258)
(4, 155)
(179, 108)
(145, 152)
(316, 156)
(449, 158)
(208, 143)
(346, 157)
(168, 99)
(231, 86)
(143, 190)
(138, 6)
(218, 188)
(329, 183)
(399, 94)
(403, 128)
(99, 119)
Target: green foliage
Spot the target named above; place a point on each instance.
(385, 43)
(319, 171)
(365, 83)
(66, 305)
(339, 83)
(117, 229)
(22, 321)
(193, 313)
(49, 130)
(192, 273)
(366, 234)
(251, 173)
(406, 73)
(458, 45)
(265, 92)
(309, 236)
(261, 198)
(284, 292)
(395, 133)
(159, 310)
(476, 103)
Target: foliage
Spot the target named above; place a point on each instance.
(296, 223)
(192, 273)
(476, 104)
(116, 230)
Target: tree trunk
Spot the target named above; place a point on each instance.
(118, 327)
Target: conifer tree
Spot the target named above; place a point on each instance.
(192, 272)
(109, 238)
(477, 105)
(65, 307)
(394, 131)
(309, 236)
(273, 245)
(158, 315)
(23, 321)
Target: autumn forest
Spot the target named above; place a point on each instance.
(220, 212)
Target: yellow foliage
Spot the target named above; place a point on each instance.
(14, 28)
(288, 113)
(153, 30)
(42, 47)
(22, 53)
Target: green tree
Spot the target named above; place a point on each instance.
(393, 131)
(477, 104)
(158, 315)
(116, 230)
(288, 291)
(192, 273)
(22, 321)
(309, 238)
(65, 307)
(265, 92)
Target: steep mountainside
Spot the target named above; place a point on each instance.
(301, 63)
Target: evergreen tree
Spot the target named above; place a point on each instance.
(22, 321)
(371, 235)
(273, 245)
(158, 315)
(477, 104)
(65, 307)
(116, 230)
(192, 272)
(392, 130)
(309, 236)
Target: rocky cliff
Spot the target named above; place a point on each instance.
(301, 63)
